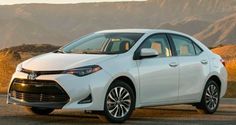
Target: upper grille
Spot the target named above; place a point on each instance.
(42, 72)
(37, 91)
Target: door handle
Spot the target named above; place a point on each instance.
(204, 62)
(173, 64)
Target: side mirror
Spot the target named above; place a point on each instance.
(148, 52)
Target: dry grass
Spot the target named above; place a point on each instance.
(231, 90)
(3, 90)
(231, 68)
(228, 53)
(7, 68)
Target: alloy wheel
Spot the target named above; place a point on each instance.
(118, 102)
(211, 97)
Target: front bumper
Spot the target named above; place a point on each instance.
(76, 88)
(37, 93)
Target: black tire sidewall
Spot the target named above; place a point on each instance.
(41, 111)
(130, 90)
(203, 102)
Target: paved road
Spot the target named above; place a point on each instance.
(163, 115)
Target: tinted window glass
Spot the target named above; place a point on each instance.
(183, 45)
(159, 43)
(103, 43)
(197, 49)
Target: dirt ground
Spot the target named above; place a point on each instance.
(163, 115)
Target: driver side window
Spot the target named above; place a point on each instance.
(158, 42)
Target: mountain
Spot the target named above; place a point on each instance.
(17, 31)
(59, 24)
(223, 31)
(189, 26)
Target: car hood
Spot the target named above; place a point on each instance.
(59, 61)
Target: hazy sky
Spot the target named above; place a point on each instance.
(9, 2)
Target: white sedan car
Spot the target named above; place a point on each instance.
(112, 72)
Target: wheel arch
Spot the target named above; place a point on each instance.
(128, 81)
(131, 82)
(216, 79)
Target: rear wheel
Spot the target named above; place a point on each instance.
(210, 98)
(119, 102)
(40, 111)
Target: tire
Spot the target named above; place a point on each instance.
(210, 98)
(119, 102)
(40, 111)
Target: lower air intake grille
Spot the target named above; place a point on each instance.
(37, 91)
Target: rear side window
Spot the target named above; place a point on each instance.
(183, 45)
(197, 49)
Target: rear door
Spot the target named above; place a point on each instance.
(194, 68)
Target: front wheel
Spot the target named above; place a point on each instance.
(119, 102)
(40, 111)
(210, 98)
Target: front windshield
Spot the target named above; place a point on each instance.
(103, 43)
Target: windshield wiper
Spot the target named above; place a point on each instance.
(96, 52)
(89, 52)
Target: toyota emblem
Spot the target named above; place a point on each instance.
(32, 76)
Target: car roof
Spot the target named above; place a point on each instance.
(140, 31)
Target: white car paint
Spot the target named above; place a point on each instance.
(155, 81)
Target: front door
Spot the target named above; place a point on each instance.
(159, 75)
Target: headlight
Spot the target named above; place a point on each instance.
(83, 71)
(19, 67)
